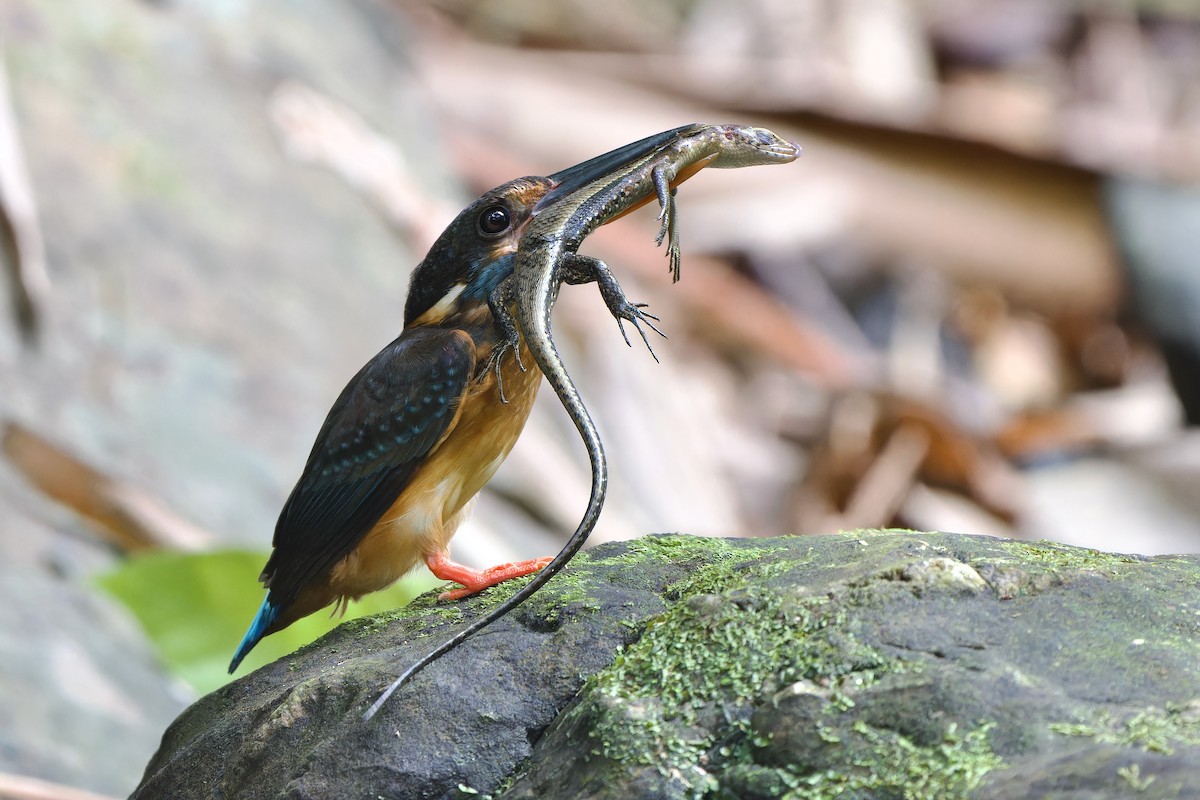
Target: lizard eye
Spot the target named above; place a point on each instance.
(494, 220)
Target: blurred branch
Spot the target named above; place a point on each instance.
(887, 482)
(124, 515)
(879, 448)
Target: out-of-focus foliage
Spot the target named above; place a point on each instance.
(195, 608)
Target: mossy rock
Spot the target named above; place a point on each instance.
(887, 664)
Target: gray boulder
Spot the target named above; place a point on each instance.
(865, 665)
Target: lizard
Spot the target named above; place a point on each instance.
(583, 198)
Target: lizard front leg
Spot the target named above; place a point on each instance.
(499, 302)
(577, 269)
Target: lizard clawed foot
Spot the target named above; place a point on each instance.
(674, 260)
(494, 360)
(632, 313)
(580, 269)
(669, 233)
(509, 338)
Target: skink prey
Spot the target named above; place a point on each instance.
(583, 198)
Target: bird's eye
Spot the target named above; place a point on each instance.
(494, 220)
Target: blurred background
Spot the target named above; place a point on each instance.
(973, 305)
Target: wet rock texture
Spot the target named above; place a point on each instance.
(886, 664)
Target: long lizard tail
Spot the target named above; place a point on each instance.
(547, 358)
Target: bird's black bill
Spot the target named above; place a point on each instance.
(613, 162)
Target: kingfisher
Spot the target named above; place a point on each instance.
(414, 435)
(426, 422)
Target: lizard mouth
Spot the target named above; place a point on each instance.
(770, 144)
(785, 150)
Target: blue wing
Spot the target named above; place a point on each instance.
(380, 430)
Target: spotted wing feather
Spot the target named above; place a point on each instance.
(387, 419)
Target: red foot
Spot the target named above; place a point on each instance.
(474, 581)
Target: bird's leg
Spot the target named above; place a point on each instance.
(475, 581)
(578, 269)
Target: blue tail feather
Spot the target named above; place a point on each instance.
(267, 614)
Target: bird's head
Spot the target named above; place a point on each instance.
(475, 253)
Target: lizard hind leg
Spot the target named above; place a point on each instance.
(475, 581)
(673, 253)
(669, 231)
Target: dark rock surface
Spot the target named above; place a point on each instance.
(894, 664)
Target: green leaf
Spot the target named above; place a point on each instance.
(195, 607)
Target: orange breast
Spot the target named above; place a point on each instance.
(426, 514)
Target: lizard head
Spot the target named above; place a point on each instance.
(747, 146)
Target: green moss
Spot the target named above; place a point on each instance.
(712, 659)
(1155, 730)
(716, 559)
(682, 698)
(1132, 775)
(1016, 569)
(1066, 557)
(676, 549)
(892, 766)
